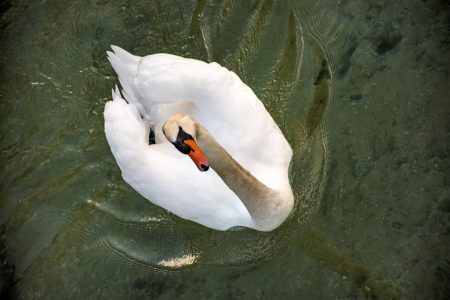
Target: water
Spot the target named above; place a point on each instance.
(357, 88)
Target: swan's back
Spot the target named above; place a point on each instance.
(163, 84)
(164, 176)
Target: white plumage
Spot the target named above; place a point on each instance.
(160, 85)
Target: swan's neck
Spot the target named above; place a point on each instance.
(268, 207)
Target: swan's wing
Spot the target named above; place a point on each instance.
(166, 177)
(226, 106)
(162, 84)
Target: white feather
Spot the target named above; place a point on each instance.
(159, 85)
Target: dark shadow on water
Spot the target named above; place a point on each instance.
(6, 272)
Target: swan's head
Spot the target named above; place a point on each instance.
(180, 130)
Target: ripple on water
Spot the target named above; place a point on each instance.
(279, 48)
(123, 235)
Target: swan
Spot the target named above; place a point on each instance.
(237, 170)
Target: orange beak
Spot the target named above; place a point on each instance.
(197, 156)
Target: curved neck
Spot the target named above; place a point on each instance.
(268, 208)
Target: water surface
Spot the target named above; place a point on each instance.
(356, 88)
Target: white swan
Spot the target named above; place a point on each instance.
(206, 111)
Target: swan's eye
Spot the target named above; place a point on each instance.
(182, 147)
(180, 142)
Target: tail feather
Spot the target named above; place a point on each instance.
(116, 94)
(126, 65)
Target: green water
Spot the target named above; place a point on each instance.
(360, 91)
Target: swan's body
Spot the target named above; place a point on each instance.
(232, 127)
